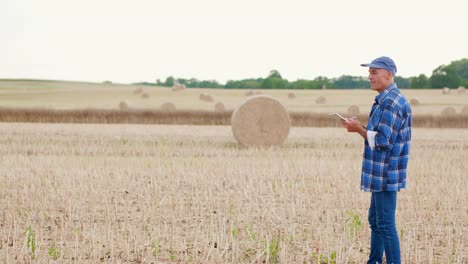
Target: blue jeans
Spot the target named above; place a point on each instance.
(384, 235)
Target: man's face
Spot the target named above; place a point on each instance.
(379, 79)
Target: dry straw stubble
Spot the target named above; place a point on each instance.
(260, 121)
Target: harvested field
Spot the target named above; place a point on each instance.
(157, 193)
(57, 95)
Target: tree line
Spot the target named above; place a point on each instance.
(452, 75)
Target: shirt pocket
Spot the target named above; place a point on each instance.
(374, 119)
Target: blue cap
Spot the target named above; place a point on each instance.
(382, 63)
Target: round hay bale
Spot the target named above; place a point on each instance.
(324, 87)
(178, 87)
(414, 102)
(446, 90)
(353, 110)
(321, 100)
(449, 111)
(145, 95)
(461, 90)
(249, 93)
(258, 92)
(123, 105)
(291, 95)
(260, 121)
(464, 110)
(206, 97)
(138, 90)
(168, 107)
(219, 107)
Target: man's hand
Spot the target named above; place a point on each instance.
(353, 125)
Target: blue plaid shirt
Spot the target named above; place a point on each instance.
(384, 167)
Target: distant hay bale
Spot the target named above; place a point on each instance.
(168, 107)
(145, 95)
(449, 111)
(123, 105)
(321, 100)
(414, 102)
(461, 90)
(353, 110)
(258, 92)
(138, 90)
(291, 95)
(178, 87)
(219, 107)
(206, 97)
(464, 110)
(324, 87)
(260, 121)
(249, 93)
(446, 90)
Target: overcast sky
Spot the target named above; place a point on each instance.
(141, 40)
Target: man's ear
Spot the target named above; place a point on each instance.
(389, 75)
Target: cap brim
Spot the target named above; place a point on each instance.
(370, 65)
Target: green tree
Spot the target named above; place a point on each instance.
(445, 76)
(402, 82)
(274, 81)
(421, 81)
(274, 73)
(169, 81)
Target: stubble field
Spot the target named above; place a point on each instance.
(129, 193)
(84, 193)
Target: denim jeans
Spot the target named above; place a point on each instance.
(384, 236)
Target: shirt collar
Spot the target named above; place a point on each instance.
(379, 98)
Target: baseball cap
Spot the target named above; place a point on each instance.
(382, 63)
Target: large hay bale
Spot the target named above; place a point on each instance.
(446, 90)
(178, 87)
(414, 102)
(168, 107)
(206, 97)
(260, 121)
(123, 105)
(321, 100)
(145, 95)
(219, 107)
(448, 111)
(461, 90)
(291, 95)
(353, 110)
(464, 110)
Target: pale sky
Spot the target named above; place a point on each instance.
(141, 40)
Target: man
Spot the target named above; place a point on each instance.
(386, 151)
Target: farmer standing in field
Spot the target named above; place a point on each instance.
(386, 153)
